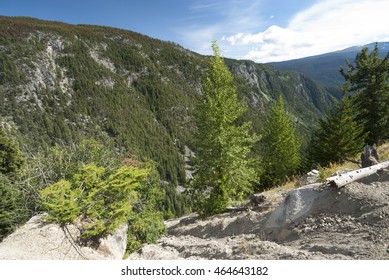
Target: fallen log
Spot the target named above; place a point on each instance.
(352, 176)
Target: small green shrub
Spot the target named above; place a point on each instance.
(101, 199)
(145, 227)
(61, 201)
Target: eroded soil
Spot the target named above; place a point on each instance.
(352, 224)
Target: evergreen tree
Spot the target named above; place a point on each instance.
(279, 146)
(12, 208)
(11, 159)
(369, 83)
(338, 136)
(222, 146)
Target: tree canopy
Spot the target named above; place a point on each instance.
(12, 204)
(11, 159)
(339, 135)
(368, 82)
(280, 147)
(222, 145)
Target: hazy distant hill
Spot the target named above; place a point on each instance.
(324, 68)
(59, 82)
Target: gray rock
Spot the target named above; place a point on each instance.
(311, 177)
(369, 156)
(37, 240)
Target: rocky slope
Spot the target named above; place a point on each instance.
(311, 222)
(59, 82)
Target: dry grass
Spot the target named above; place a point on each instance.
(328, 171)
(273, 194)
(291, 182)
(383, 152)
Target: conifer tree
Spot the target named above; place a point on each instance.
(338, 136)
(222, 146)
(11, 159)
(369, 84)
(12, 208)
(279, 146)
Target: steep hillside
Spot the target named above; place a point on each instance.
(324, 68)
(313, 222)
(59, 82)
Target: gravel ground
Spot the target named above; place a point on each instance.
(352, 223)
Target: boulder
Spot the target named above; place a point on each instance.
(257, 199)
(311, 177)
(369, 156)
(37, 240)
(311, 200)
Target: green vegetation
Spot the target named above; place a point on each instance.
(368, 82)
(143, 102)
(222, 145)
(88, 181)
(12, 210)
(362, 116)
(139, 91)
(66, 182)
(338, 137)
(11, 159)
(280, 146)
(103, 200)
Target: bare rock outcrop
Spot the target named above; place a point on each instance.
(37, 240)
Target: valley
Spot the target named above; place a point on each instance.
(94, 118)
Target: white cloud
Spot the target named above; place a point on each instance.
(233, 16)
(326, 26)
(199, 38)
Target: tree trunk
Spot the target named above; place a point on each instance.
(352, 176)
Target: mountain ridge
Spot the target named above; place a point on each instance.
(60, 82)
(324, 68)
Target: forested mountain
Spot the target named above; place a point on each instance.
(324, 68)
(60, 82)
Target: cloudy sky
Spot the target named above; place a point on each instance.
(260, 30)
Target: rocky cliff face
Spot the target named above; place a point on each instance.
(59, 82)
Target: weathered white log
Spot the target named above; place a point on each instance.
(352, 176)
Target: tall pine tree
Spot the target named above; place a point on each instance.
(369, 84)
(222, 145)
(280, 148)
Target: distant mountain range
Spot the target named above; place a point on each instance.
(324, 68)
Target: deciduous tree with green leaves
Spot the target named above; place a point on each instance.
(222, 145)
(280, 148)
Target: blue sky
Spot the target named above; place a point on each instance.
(260, 30)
